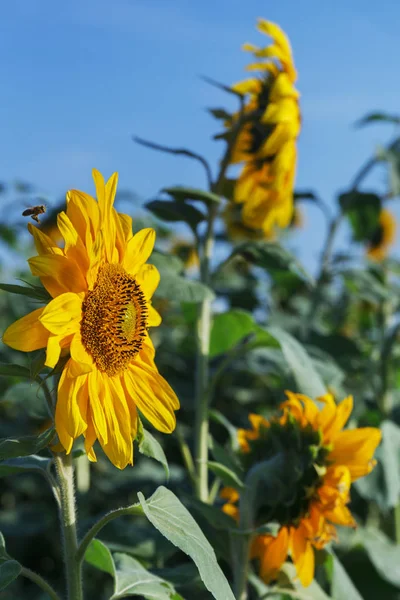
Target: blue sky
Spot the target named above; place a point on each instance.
(78, 78)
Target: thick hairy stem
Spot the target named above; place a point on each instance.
(65, 477)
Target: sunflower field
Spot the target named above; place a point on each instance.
(187, 410)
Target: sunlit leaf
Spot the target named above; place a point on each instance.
(173, 520)
(98, 555)
(149, 446)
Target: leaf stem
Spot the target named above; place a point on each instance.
(135, 509)
(42, 583)
(65, 477)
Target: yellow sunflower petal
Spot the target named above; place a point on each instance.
(152, 395)
(83, 212)
(74, 246)
(148, 278)
(53, 350)
(82, 359)
(96, 399)
(126, 224)
(119, 447)
(272, 553)
(154, 318)
(90, 437)
(43, 243)
(138, 250)
(276, 33)
(58, 274)
(355, 447)
(302, 555)
(27, 334)
(71, 407)
(63, 314)
(105, 196)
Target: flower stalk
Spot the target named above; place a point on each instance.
(65, 478)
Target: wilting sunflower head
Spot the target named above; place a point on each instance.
(383, 237)
(266, 141)
(320, 461)
(98, 318)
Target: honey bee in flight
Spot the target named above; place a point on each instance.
(34, 212)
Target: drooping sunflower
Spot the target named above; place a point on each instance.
(266, 143)
(383, 238)
(100, 312)
(324, 460)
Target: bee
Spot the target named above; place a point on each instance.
(34, 212)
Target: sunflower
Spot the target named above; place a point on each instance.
(266, 142)
(323, 461)
(99, 315)
(383, 237)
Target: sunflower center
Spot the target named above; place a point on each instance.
(114, 319)
(302, 473)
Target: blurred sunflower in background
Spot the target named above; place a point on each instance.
(98, 318)
(383, 237)
(266, 143)
(320, 463)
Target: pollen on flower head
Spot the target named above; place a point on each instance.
(114, 319)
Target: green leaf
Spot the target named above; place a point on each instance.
(213, 514)
(384, 554)
(227, 476)
(15, 371)
(174, 211)
(9, 570)
(3, 552)
(342, 585)
(307, 379)
(149, 446)
(167, 263)
(272, 256)
(232, 327)
(99, 556)
(24, 446)
(173, 520)
(363, 210)
(22, 465)
(181, 193)
(377, 117)
(218, 417)
(132, 579)
(220, 113)
(365, 285)
(180, 289)
(311, 592)
(34, 291)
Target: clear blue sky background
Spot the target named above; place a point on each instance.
(78, 78)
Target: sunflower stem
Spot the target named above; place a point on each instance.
(65, 477)
(202, 366)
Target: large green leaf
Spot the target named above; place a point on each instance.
(363, 210)
(272, 256)
(24, 446)
(384, 554)
(33, 463)
(16, 371)
(9, 570)
(180, 289)
(187, 193)
(226, 475)
(132, 579)
(235, 326)
(342, 586)
(98, 555)
(307, 379)
(175, 211)
(149, 446)
(173, 520)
